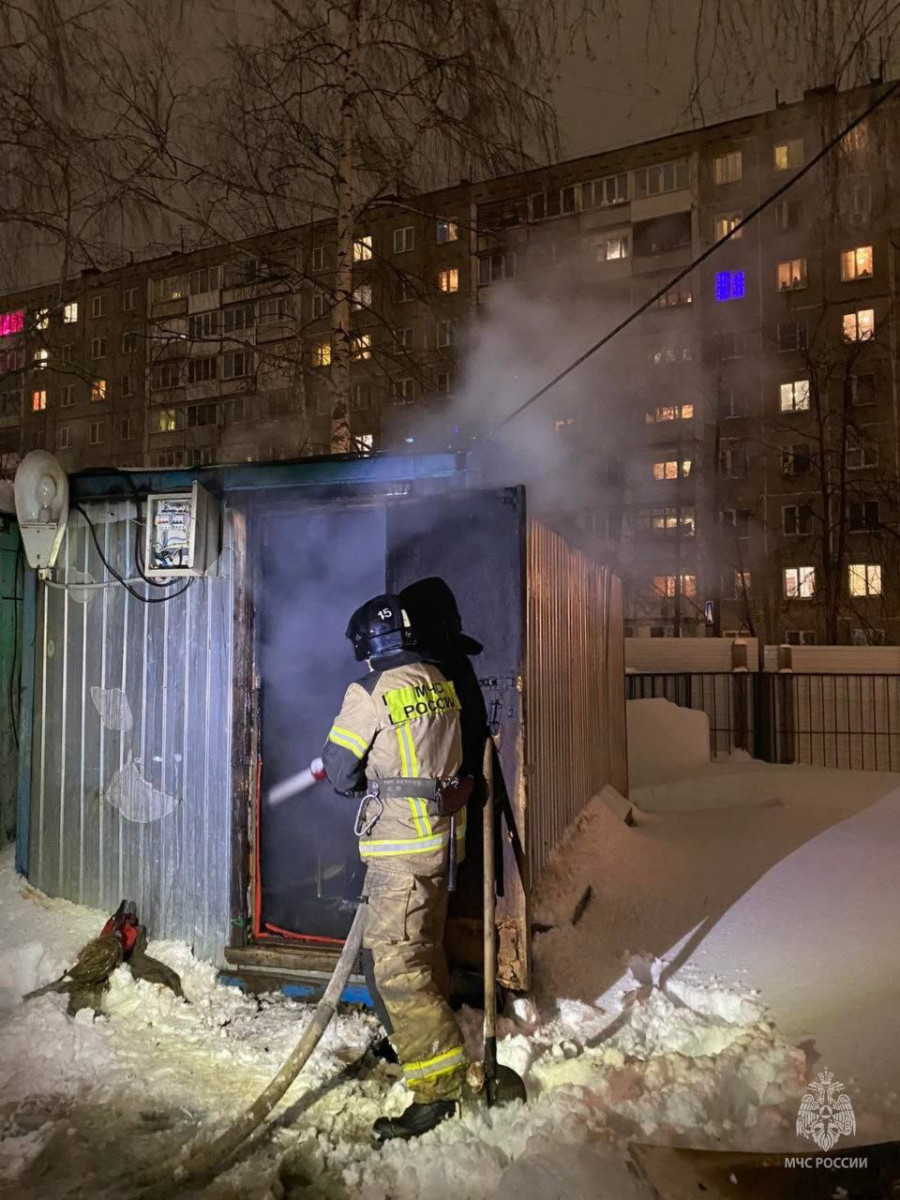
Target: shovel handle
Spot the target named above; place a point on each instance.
(490, 941)
(451, 861)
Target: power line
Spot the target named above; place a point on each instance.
(701, 258)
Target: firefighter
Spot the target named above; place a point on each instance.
(396, 741)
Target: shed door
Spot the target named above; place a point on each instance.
(466, 551)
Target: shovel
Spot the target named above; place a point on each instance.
(501, 1084)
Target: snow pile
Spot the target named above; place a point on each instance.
(664, 741)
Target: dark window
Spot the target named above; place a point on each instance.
(795, 460)
(662, 234)
(863, 515)
(788, 214)
(863, 389)
(736, 522)
(792, 335)
(731, 344)
(796, 518)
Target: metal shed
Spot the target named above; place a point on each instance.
(150, 731)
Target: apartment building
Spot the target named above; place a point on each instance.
(734, 452)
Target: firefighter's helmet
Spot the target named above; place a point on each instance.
(380, 626)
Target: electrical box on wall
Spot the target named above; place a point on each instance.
(182, 533)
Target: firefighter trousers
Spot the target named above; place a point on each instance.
(407, 973)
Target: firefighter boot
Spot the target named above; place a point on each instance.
(417, 1119)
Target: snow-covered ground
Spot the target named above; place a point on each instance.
(739, 937)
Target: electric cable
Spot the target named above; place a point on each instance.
(13, 696)
(692, 266)
(115, 574)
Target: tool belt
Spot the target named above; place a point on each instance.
(445, 797)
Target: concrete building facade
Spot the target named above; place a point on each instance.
(733, 454)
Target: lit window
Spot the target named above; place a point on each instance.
(725, 223)
(676, 297)
(857, 140)
(62, 438)
(730, 285)
(365, 443)
(857, 263)
(563, 424)
(321, 354)
(792, 275)
(611, 246)
(98, 391)
(740, 582)
(12, 322)
(39, 400)
(672, 412)
(728, 168)
(799, 583)
(362, 248)
(865, 579)
(670, 520)
(166, 420)
(361, 297)
(672, 468)
(447, 231)
(859, 326)
(40, 359)
(667, 585)
(42, 318)
(361, 346)
(789, 154)
(404, 239)
(70, 313)
(98, 306)
(448, 281)
(795, 396)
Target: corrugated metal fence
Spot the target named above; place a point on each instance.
(575, 716)
(130, 782)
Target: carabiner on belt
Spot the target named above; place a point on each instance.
(363, 825)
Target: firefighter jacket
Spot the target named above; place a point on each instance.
(399, 722)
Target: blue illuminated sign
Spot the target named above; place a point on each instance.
(730, 285)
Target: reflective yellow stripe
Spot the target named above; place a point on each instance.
(404, 762)
(441, 1064)
(420, 829)
(369, 847)
(349, 740)
(426, 820)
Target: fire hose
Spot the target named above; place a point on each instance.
(198, 1161)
